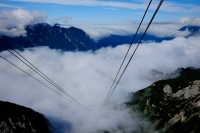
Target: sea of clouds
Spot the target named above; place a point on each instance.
(87, 76)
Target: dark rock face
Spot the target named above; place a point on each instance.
(172, 105)
(55, 37)
(19, 119)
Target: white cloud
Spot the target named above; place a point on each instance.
(90, 3)
(167, 30)
(13, 22)
(189, 21)
(87, 77)
(167, 6)
(99, 30)
(8, 5)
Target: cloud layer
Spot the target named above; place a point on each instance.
(189, 21)
(128, 27)
(13, 22)
(87, 76)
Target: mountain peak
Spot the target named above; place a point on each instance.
(55, 37)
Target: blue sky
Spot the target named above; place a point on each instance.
(106, 10)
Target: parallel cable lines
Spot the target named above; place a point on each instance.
(35, 69)
(110, 93)
(34, 77)
(126, 54)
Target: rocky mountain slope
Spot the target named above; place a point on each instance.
(55, 37)
(172, 105)
(18, 119)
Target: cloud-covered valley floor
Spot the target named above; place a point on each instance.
(87, 76)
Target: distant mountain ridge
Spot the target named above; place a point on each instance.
(190, 28)
(72, 39)
(54, 37)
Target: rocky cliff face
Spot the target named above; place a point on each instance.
(172, 105)
(18, 119)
